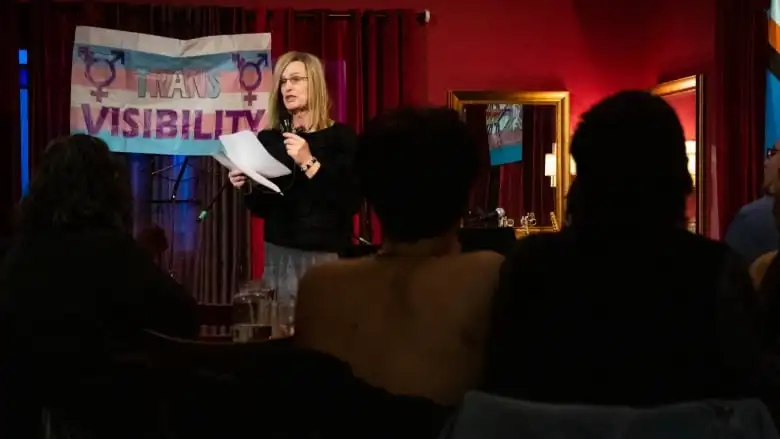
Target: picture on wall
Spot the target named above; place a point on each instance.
(504, 123)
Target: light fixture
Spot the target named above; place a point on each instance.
(551, 166)
(690, 151)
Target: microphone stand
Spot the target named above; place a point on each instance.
(179, 177)
(204, 213)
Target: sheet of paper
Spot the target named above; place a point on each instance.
(226, 162)
(243, 149)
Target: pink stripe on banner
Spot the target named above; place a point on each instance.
(128, 79)
(197, 125)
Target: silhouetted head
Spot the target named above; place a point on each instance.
(416, 168)
(572, 200)
(153, 239)
(772, 169)
(79, 184)
(631, 162)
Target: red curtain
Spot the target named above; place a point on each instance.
(480, 192)
(372, 61)
(10, 185)
(738, 105)
(52, 27)
(538, 195)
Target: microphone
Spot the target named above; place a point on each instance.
(205, 212)
(287, 127)
(363, 241)
(495, 213)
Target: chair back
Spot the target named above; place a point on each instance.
(484, 416)
(166, 353)
(215, 321)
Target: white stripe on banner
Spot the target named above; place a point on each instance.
(774, 11)
(126, 98)
(170, 46)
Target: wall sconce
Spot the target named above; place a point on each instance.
(551, 167)
(690, 151)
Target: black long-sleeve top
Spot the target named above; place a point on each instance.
(599, 316)
(313, 214)
(75, 290)
(72, 304)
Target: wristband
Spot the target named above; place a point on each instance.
(306, 166)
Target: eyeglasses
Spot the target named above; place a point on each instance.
(771, 152)
(295, 80)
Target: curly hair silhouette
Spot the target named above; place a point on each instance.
(80, 184)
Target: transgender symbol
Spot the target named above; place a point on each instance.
(90, 60)
(257, 67)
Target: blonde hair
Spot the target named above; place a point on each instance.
(318, 102)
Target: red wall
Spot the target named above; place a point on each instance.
(685, 106)
(589, 47)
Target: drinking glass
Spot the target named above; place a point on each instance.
(254, 312)
(285, 319)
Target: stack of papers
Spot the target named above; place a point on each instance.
(244, 152)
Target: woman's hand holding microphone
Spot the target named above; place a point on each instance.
(297, 148)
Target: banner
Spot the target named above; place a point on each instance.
(505, 133)
(153, 95)
(772, 116)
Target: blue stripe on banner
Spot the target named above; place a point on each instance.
(772, 121)
(140, 145)
(506, 154)
(135, 60)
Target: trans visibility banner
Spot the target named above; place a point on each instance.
(772, 126)
(153, 95)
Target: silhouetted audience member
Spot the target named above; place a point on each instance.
(411, 319)
(76, 290)
(762, 264)
(572, 198)
(5, 242)
(624, 306)
(765, 272)
(154, 240)
(752, 232)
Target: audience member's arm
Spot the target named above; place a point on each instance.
(759, 268)
(159, 303)
(746, 239)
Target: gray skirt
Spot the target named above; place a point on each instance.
(284, 266)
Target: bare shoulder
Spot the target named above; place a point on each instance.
(322, 276)
(471, 281)
(481, 260)
(486, 256)
(475, 268)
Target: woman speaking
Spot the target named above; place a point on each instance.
(312, 221)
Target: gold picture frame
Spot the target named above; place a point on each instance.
(683, 85)
(457, 99)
